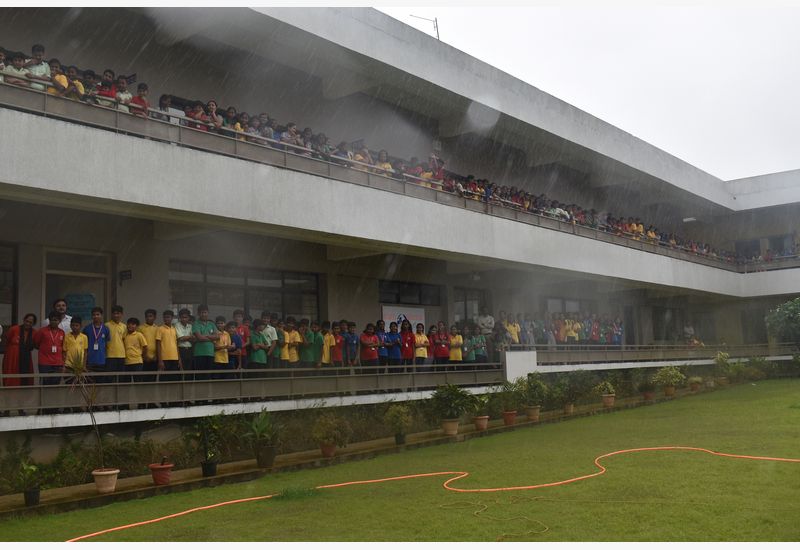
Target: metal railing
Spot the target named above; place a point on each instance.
(566, 354)
(174, 128)
(182, 388)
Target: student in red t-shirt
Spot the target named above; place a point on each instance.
(337, 351)
(440, 342)
(139, 104)
(50, 343)
(369, 348)
(407, 343)
(243, 330)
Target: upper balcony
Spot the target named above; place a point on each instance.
(607, 254)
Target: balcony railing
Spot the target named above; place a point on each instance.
(194, 134)
(613, 354)
(54, 393)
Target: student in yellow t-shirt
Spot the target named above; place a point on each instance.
(293, 342)
(221, 349)
(512, 327)
(148, 330)
(167, 348)
(135, 348)
(421, 344)
(328, 343)
(115, 346)
(456, 343)
(76, 346)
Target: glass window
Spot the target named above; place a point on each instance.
(185, 271)
(222, 300)
(261, 278)
(299, 281)
(264, 300)
(301, 306)
(555, 305)
(408, 293)
(572, 306)
(187, 293)
(430, 295)
(388, 291)
(224, 275)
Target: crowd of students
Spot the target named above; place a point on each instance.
(113, 91)
(128, 350)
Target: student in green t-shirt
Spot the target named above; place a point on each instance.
(469, 349)
(257, 359)
(311, 348)
(205, 336)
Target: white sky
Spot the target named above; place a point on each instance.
(715, 86)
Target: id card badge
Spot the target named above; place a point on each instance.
(96, 347)
(52, 349)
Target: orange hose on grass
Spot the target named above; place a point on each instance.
(445, 484)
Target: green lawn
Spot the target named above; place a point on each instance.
(669, 496)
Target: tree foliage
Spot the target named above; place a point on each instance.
(784, 321)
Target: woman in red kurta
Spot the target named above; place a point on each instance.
(17, 357)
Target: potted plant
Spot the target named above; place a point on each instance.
(161, 471)
(449, 402)
(648, 389)
(510, 398)
(570, 387)
(534, 392)
(206, 434)
(28, 482)
(695, 383)
(331, 431)
(105, 479)
(480, 407)
(606, 390)
(722, 364)
(669, 377)
(262, 434)
(399, 418)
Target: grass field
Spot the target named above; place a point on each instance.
(668, 496)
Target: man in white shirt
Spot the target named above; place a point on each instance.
(38, 68)
(485, 322)
(60, 306)
(269, 332)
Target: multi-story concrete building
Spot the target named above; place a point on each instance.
(104, 207)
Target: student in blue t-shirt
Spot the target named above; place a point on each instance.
(393, 344)
(351, 345)
(383, 352)
(98, 334)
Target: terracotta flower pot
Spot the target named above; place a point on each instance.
(694, 386)
(608, 400)
(669, 391)
(161, 473)
(481, 423)
(648, 395)
(509, 418)
(450, 427)
(533, 413)
(328, 449)
(569, 408)
(265, 456)
(105, 479)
